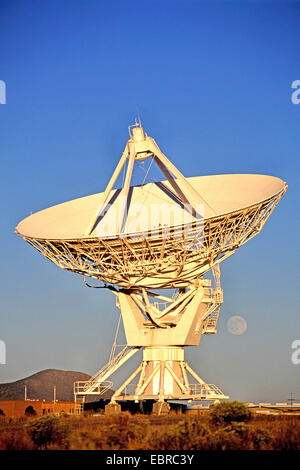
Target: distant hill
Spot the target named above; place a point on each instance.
(40, 386)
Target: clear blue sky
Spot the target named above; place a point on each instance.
(212, 83)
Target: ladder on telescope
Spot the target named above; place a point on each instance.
(98, 385)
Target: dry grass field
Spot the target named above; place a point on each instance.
(219, 429)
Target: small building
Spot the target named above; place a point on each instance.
(275, 409)
(20, 408)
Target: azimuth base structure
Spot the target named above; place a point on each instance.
(139, 239)
(163, 374)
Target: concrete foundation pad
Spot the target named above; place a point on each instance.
(112, 409)
(161, 408)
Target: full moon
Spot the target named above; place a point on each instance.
(236, 325)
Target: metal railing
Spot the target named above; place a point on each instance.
(95, 385)
(206, 390)
(99, 388)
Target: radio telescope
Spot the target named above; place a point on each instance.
(146, 241)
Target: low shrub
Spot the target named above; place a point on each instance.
(48, 430)
(229, 412)
(188, 434)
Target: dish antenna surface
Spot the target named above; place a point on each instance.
(143, 241)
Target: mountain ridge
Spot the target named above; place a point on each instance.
(40, 386)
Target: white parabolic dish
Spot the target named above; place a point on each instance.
(153, 251)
